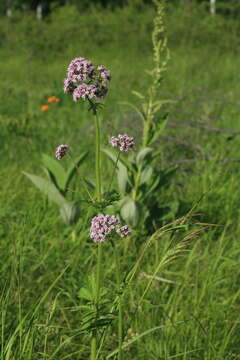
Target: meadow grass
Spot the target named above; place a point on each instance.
(192, 305)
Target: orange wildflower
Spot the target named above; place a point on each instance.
(52, 99)
(44, 107)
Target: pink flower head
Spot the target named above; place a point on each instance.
(114, 141)
(67, 85)
(101, 226)
(126, 142)
(85, 81)
(124, 231)
(84, 91)
(80, 68)
(123, 142)
(61, 151)
(104, 73)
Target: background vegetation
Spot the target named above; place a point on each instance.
(196, 299)
(226, 7)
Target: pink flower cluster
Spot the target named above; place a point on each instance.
(61, 151)
(84, 91)
(102, 225)
(123, 142)
(85, 81)
(124, 231)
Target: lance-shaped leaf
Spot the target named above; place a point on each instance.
(138, 94)
(47, 187)
(130, 212)
(158, 104)
(146, 174)
(139, 112)
(55, 170)
(90, 184)
(142, 154)
(70, 212)
(157, 129)
(122, 179)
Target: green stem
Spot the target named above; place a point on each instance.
(114, 169)
(149, 117)
(98, 158)
(99, 255)
(120, 315)
(99, 198)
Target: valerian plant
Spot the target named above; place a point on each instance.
(87, 82)
(138, 178)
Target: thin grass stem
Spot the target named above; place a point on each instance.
(120, 317)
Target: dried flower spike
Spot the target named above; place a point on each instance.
(61, 151)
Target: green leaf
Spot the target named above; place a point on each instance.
(160, 127)
(158, 104)
(130, 212)
(74, 168)
(142, 155)
(122, 178)
(47, 188)
(89, 291)
(90, 183)
(154, 184)
(113, 157)
(84, 293)
(157, 128)
(70, 212)
(139, 112)
(110, 154)
(146, 174)
(56, 172)
(138, 94)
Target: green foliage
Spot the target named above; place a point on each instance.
(57, 185)
(47, 188)
(153, 125)
(140, 183)
(58, 175)
(139, 180)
